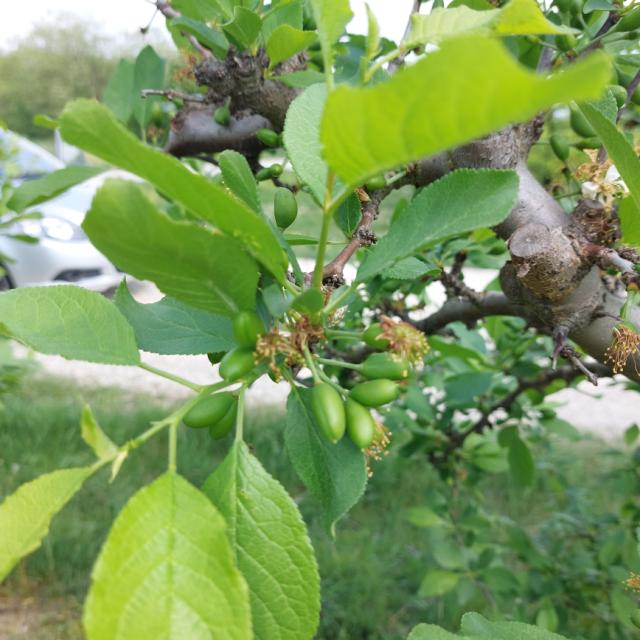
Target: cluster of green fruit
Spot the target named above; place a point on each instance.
(336, 410)
(335, 415)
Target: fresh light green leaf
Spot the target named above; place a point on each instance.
(335, 474)
(119, 94)
(561, 428)
(366, 131)
(45, 121)
(301, 137)
(372, 42)
(95, 437)
(460, 202)
(245, 27)
(272, 547)
(68, 321)
(518, 17)
(26, 514)
(438, 582)
(301, 79)
(349, 214)
(521, 463)
(186, 261)
(148, 73)
(88, 125)
(332, 17)
(286, 41)
(167, 571)
(620, 151)
(171, 327)
(211, 38)
(237, 175)
(34, 192)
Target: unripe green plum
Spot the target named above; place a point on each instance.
(361, 426)
(328, 410)
(375, 393)
(385, 365)
(209, 410)
(237, 364)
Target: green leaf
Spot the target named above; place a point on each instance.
(335, 474)
(301, 79)
(211, 38)
(518, 17)
(631, 434)
(204, 10)
(479, 628)
(408, 269)
(366, 131)
(88, 125)
(561, 428)
(286, 41)
(68, 321)
(438, 582)
(301, 137)
(332, 17)
(372, 42)
(272, 547)
(629, 215)
(245, 27)
(25, 515)
(148, 73)
(45, 121)
(460, 202)
(186, 261)
(349, 214)
(34, 192)
(430, 632)
(95, 437)
(521, 463)
(167, 571)
(424, 517)
(170, 327)
(119, 94)
(620, 151)
(237, 175)
(280, 13)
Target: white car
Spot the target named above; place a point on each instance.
(63, 253)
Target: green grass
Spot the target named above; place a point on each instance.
(370, 575)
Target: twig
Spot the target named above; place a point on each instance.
(170, 94)
(170, 13)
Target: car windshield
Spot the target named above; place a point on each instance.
(22, 159)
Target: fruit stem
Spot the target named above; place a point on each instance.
(341, 363)
(312, 367)
(327, 214)
(170, 376)
(240, 414)
(340, 298)
(348, 335)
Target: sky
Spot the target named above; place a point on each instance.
(121, 17)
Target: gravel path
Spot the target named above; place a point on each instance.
(605, 411)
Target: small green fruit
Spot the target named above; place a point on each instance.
(328, 410)
(566, 42)
(361, 426)
(285, 207)
(236, 364)
(222, 115)
(209, 410)
(214, 358)
(630, 21)
(560, 147)
(375, 393)
(371, 336)
(247, 326)
(619, 93)
(377, 182)
(221, 428)
(385, 365)
(580, 124)
(276, 170)
(268, 137)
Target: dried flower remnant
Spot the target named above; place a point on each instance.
(600, 180)
(378, 448)
(625, 345)
(404, 339)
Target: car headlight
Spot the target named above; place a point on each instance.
(53, 228)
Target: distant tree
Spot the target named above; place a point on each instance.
(60, 59)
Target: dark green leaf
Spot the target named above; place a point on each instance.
(521, 463)
(171, 327)
(237, 175)
(245, 27)
(212, 39)
(119, 94)
(349, 214)
(148, 73)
